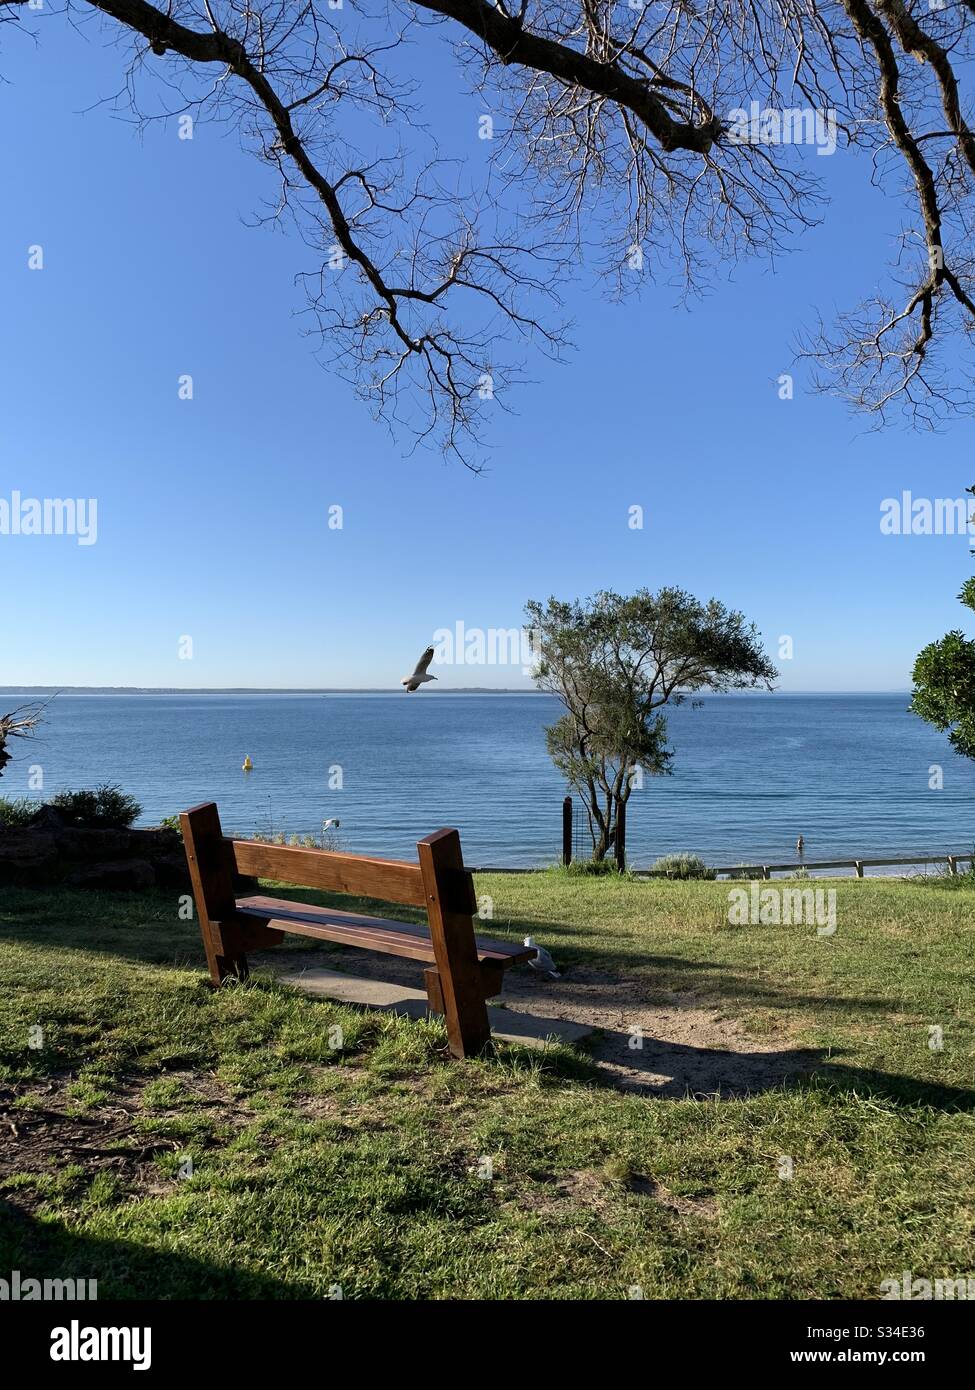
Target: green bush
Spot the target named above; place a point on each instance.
(588, 868)
(940, 878)
(17, 811)
(682, 866)
(106, 807)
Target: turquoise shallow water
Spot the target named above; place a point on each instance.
(848, 772)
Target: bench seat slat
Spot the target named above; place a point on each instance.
(371, 933)
(365, 938)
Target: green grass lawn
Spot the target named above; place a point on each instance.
(175, 1142)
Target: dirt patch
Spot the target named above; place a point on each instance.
(595, 1191)
(672, 1045)
(53, 1132)
(683, 1206)
(677, 1045)
(318, 1107)
(581, 1189)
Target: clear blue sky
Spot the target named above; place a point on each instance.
(212, 514)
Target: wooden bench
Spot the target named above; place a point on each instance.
(462, 970)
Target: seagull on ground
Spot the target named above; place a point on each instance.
(419, 676)
(542, 961)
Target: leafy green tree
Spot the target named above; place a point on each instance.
(614, 663)
(944, 681)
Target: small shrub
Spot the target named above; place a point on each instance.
(326, 840)
(588, 868)
(682, 866)
(942, 877)
(171, 823)
(106, 807)
(17, 811)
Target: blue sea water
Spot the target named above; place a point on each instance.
(851, 773)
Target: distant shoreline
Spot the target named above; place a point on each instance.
(41, 690)
(37, 691)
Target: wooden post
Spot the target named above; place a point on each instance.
(451, 905)
(567, 830)
(858, 865)
(213, 890)
(952, 864)
(620, 842)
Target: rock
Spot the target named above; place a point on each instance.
(90, 843)
(22, 845)
(47, 818)
(172, 872)
(24, 855)
(131, 874)
(48, 850)
(157, 842)
(76, 842)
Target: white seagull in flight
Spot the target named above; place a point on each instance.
(419, 676)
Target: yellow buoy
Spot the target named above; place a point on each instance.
(248, 765)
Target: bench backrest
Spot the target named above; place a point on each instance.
(390, 880)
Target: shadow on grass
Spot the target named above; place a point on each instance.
(124, 1269)
(145, 927)
(710, 980)
(681, 1071)
(899, 1090)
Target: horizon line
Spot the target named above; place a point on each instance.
(370, 690)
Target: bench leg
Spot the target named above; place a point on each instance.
(464, 1035)
(227, 961)
(213, 892)
(431, 979)
(492, 979)
(452, 933)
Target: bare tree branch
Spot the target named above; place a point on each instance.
(618, 129)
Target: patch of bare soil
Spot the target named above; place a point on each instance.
(678, 1045)
(682, 1206)
(581, 1189)
(593, 1190)
(53, 1132)
(675, 1045)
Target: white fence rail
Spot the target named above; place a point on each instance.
(765, 871)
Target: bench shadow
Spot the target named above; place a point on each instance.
(125, 1269)
(681, 1071)
(604, 1057)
